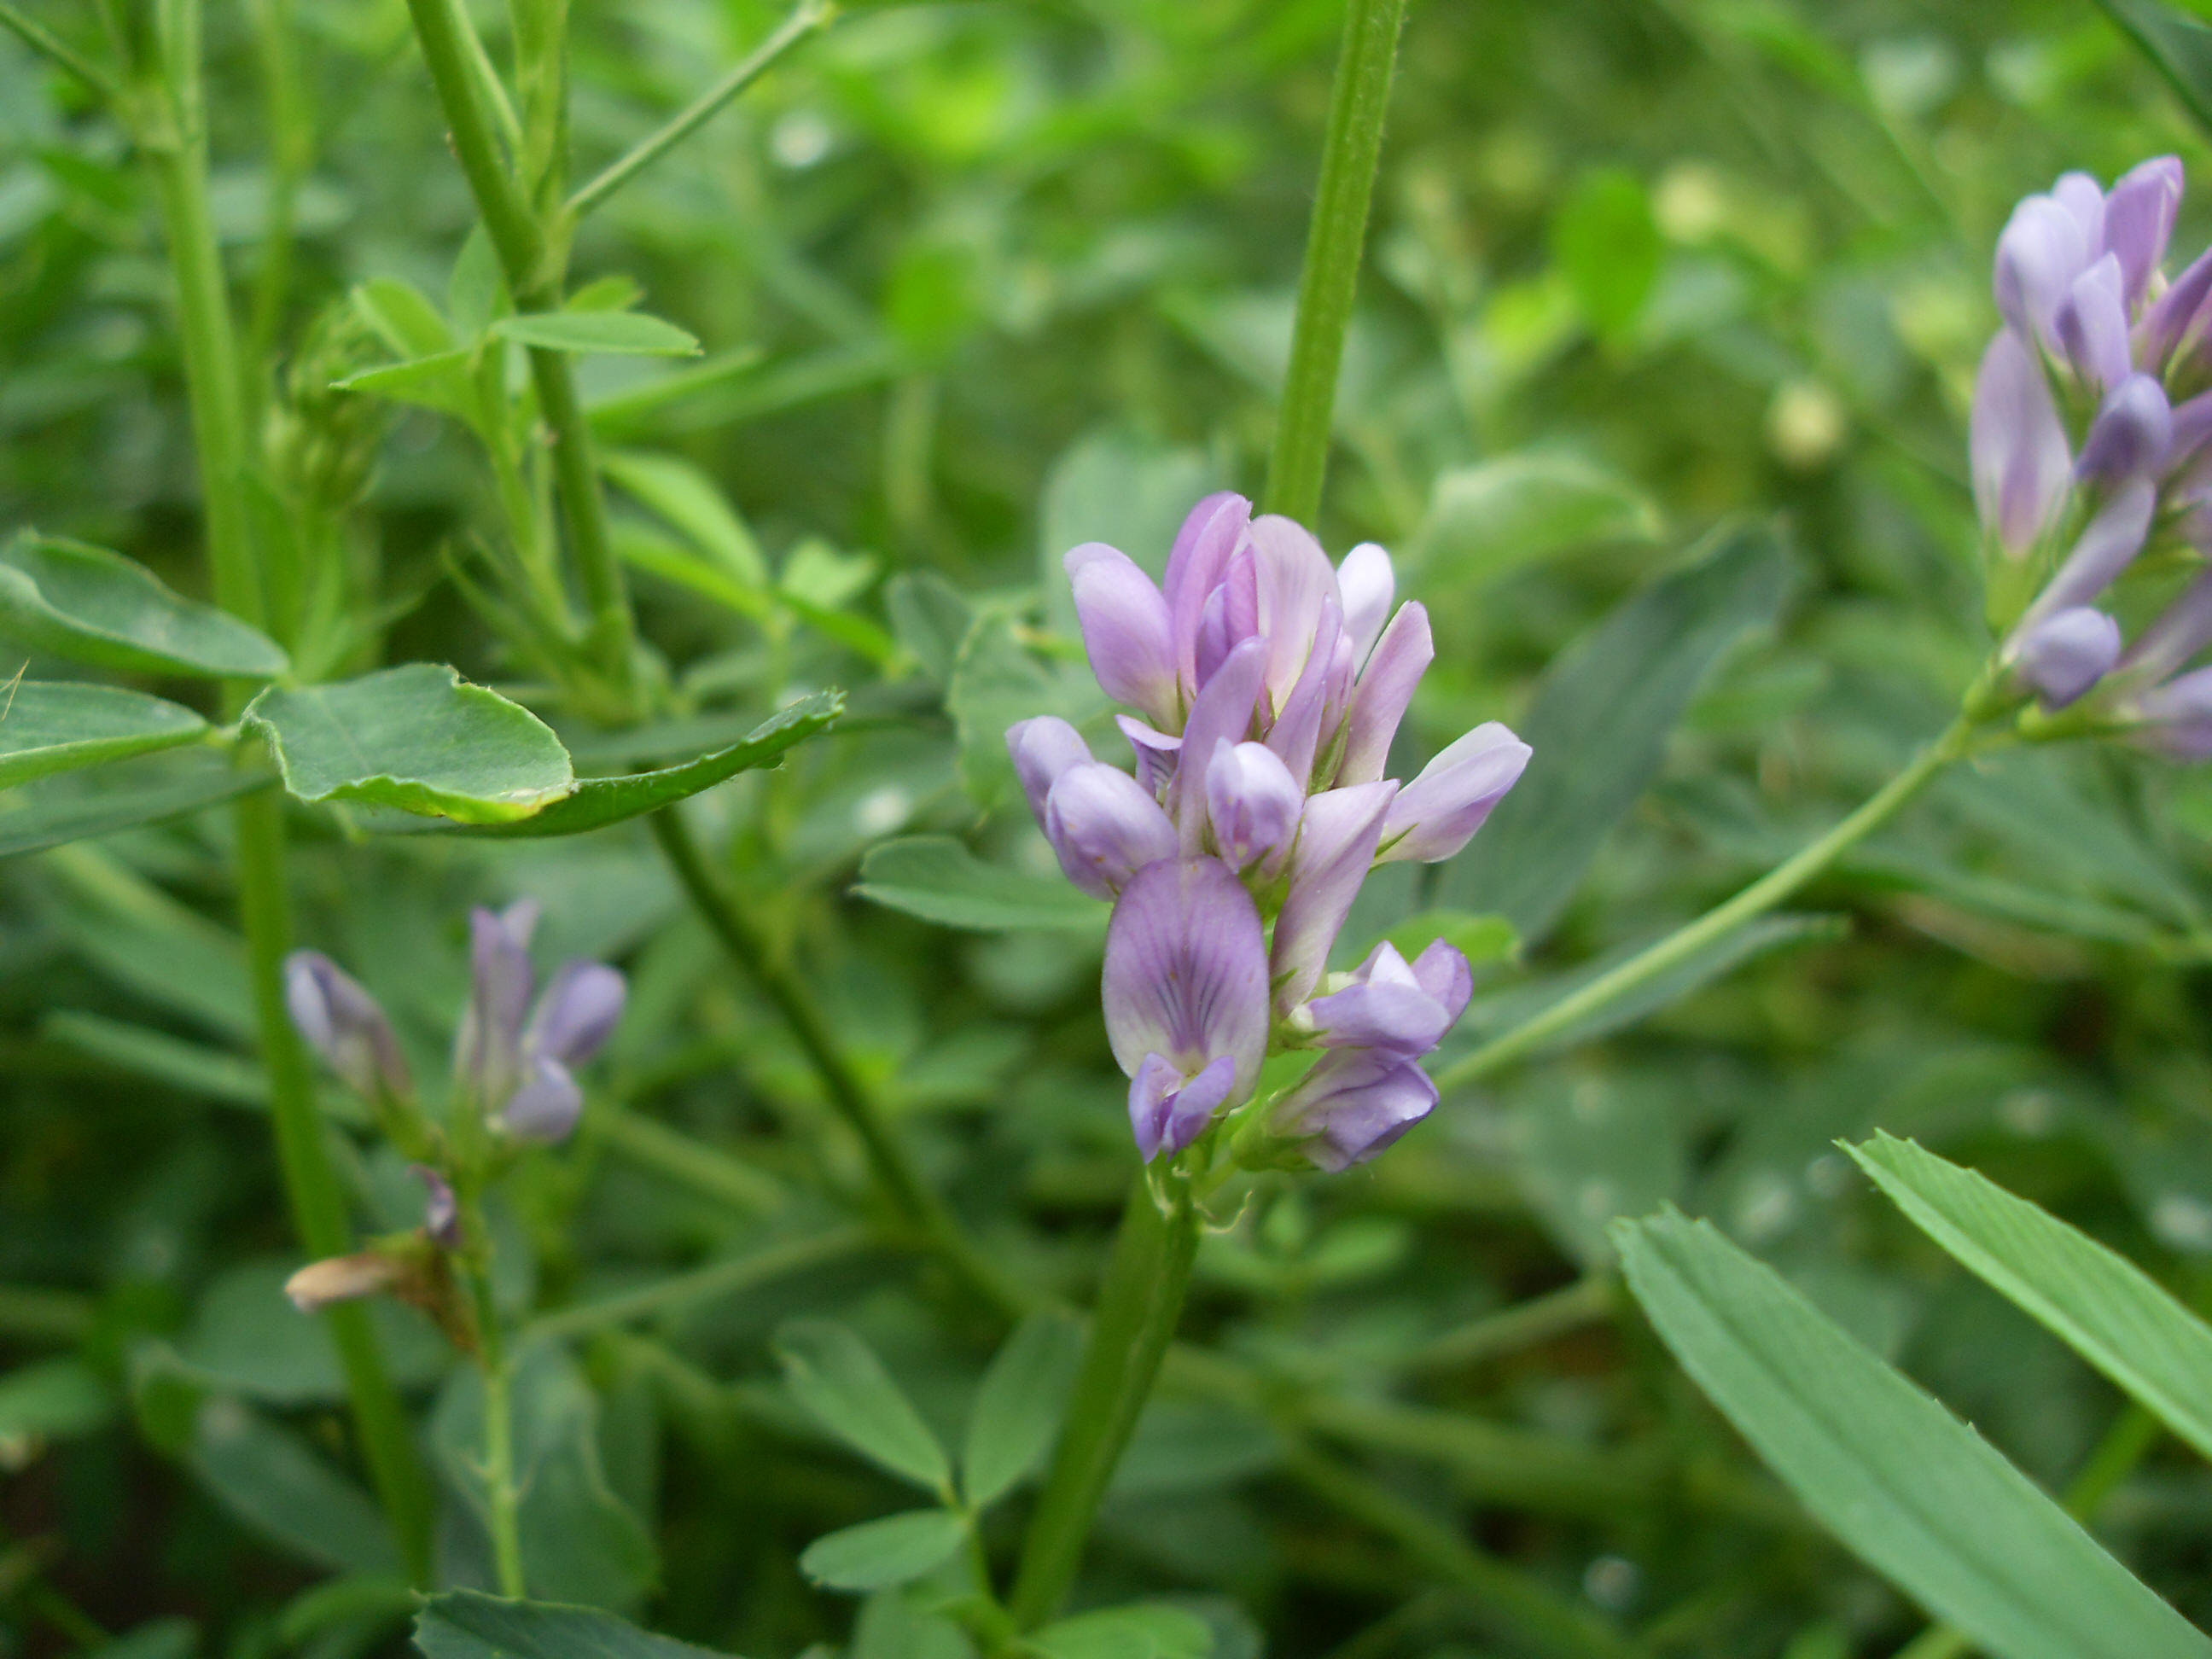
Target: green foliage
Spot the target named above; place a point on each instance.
(1018, 1408)
(59, 727)
(95, 606)
(876, 1554)
(464, 1624)
(936, 878)
(836, 1377)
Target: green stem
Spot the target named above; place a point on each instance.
(1537, 1320)
(807, 17)
(177, 152)
(42, 39)
(1678, 947)
(890, 1164)
(1139, 1303)
(291, 152)
(502, 1502)
(1333, 244)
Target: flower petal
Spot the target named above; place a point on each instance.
(488, 1050)
(1209, 538)
(1385, 691)
(343, 1024)
(578, 1012)
(1186, 974)
(1438, 812)
(1126, 629)
(546, 1106)
(1295, 582)
(1367, 583)
(2132, 434)
(2092, 323)
(1336, 844)
(1223, 712)
(1252, 802)
(2183, 629)
(1353, 1106)
(1155, 752)
(2021, 465)
(2139, 217)
(2043, 248)
(2066, 653)
(2107, 546)
(1105, 827)
(1042, 748)
(1166, 1114)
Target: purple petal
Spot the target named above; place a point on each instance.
(1156, 752)
(2021, 465)
(1166, 1113)
(1186, 974)
(1367, 583)
(1222, 713)
(1209, 538)
(1229, 615)
(2092, 323)
(1353, 1106)
(2108, 545)
(1296, 734)
(1438, 812)
(1442, 971)
(1252, 802)
(441, 1211)
(2139, 220)
(546, 1108)
(1384, 1007)
(1335, 845)
(488, 1051)
(1385, 691)
(1042, 748)
(2042, 250)
(2082, 198)
(578, 1012)
(343, 1024)
(1125, 629)
(1105, 827)
(2168, 321)
(2179, 632)
(2177, 717)
(1296, 583)
(2132, 434)
(2066, 653)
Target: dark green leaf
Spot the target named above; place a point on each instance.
(2100, 1305)
(91, 605)
(48, 726)
(2179, 45)
(85, 805)
(876, 1554)
(1487, 521)
(1137, 1632)
(1017, 1409)
(930, 618)
(613, 334)
(1913, 1491)
(464, 1624)
(997, 681)
(418, 738)
(688, 500)
(838, 1379)
(1599, 726)
(52, 1400)
(265, 1474)
(939, 879)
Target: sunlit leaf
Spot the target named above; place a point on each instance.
(1487, 520)
(1018, 1406)
(1137, 1632)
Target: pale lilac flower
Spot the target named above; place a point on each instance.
(2066, 653)
(2178, 633)
(1155, 751)
(1252, 802)
(1222, 714)
(343, 1024)
(1105, 827)
(1438, 812)
(1336, 845)
(2022, 467)
(2092, 323)
(1042, 748)
(2139, 216)
(1384, 693)
(2131, 434)
(1126, 629)
(511, 1063)
(2177, 717)
(2043, 248)
(1185, 992)
(1367, 583)
(488, 1047)
(1391, 1005)
(1353, 1106)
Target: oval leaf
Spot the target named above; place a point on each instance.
(420, 738)
(1140, 1632)
(58, 726)
(1017, 1409)
(838, 1379)
(939, 879)
(468, 1625)
(2099, 1304)
(1910, 1490)
(91, 605)
(602, 333)
(876, 1554)
(82, 805)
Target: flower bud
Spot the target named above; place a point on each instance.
(2021, 465)
(1393, 1006)
(1042, 748)
(1368, 584)
(341, 1279)
(1353, 1106)
(1252, 804)
(2132, 434)
(342, 1023)
(1126, 630)
(2042, 249)
(547, 1106)
(1105, 828)
(2066, 653)
(2139, 218)
(441, 1211)
(1385, 691)
(578, 1012)
(2092, 323)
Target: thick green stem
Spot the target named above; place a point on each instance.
(291, 152)
(1139, 1304)
(176, 149)
(1679, 947)
(502, 1501)
(891, 1166)
(1333, 244)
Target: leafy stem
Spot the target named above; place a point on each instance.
(1334, 243)
(43, 40)
(502, 1501)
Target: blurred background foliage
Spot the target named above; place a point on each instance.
(978, 281)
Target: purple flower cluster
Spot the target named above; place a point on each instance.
(1271, 686)
(2095, 338)
(512, 1063)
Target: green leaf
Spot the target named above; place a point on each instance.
(891, 1626)
(266, 1475)
(1018, 1407)
(48, 726)
(52, 1400)
(1489, 520)
(398, 314)
(1914, 1492)
(939, 879)
(85, 805)
(606, 333)
(1137, 1632)
(688, 499)
(442, 381)
(2179, 45)
(418, 738)
(1606, 245)
(2099, 1304)
(996, 681)
(1599, 726)
(466, 1625)
(248, 1338)
(1481, 940)
(596, 803)
(91, 605)
(876, 1554)
(930, 618)
(838, 1379)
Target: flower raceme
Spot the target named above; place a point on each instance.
(2099, 345)
(1271, 684)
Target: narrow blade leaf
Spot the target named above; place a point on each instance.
(1017, 1409)
(420, 738)
(2101, 1305)
(90, 605)
(598, 333)
(838, 1379)
(61, 725)
(939, 879)
(876, 1554)
(1910, 1489)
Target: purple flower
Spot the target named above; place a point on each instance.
(441, 1211)
(513, 1063)
(1105, 827)
(2092, 323)
(2066, 653)
(2178, 633)
(1042, 748)
(1336, 844)
(2177, 717)
(1185, 990)
(2043, 248)
(1210, 537)
(1252, 804)
(1366, 583)
(2132, 434)
(2108, 545)
(1126, 630)
(343, 1024)
(1155, 752)
(1223, 712)
(488, 1049)
(1393, 1006)
(2022, 467)
(2139, 218)
(1384, 693)
(1438, 812)
(1353, 1106)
